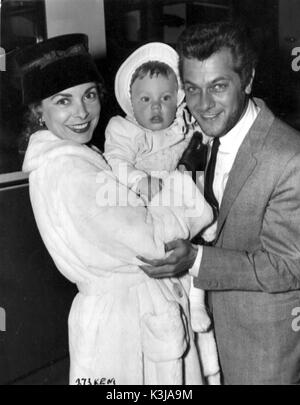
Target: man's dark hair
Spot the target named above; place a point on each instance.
(201, 41)
(154, 68)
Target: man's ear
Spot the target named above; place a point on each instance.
(248, 88)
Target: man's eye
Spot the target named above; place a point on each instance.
(218, 88)
(145, 99)
(190, 89)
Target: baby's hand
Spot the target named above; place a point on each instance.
(200, 319)
(149, 186)
(182, 169)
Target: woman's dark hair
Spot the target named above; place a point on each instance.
(31, 122)
(154, 68)
(201, 41)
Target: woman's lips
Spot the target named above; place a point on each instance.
(80, 128)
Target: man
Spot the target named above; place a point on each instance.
(252, 270)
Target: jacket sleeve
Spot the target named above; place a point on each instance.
(120, 150)
(275, 267)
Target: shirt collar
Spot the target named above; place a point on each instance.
(231, 142)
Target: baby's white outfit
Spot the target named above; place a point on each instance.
(134, 152)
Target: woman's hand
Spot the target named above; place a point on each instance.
(179, 261)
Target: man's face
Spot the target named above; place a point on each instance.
(214, 92)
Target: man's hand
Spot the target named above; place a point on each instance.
(179, 261)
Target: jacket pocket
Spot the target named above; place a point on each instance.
(163, 335)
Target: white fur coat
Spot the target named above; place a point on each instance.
(122, 324)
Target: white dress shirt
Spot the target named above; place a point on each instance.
(228, 149)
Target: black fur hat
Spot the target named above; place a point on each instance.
(54, 65)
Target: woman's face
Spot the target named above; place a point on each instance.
(73, 113)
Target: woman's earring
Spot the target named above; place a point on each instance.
(41, 122)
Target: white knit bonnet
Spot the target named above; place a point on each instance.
(153, 51)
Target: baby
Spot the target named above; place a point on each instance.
(143, 148)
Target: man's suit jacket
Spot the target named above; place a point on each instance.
(253, 271)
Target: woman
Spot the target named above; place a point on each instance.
(123, 326)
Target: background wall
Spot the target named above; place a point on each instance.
(67, 16)
(36, 298)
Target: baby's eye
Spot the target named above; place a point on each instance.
(167, 97)
(145, 99)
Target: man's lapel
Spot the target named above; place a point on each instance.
(243, 166)
(245, 161)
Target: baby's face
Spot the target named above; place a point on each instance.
(154, 101)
